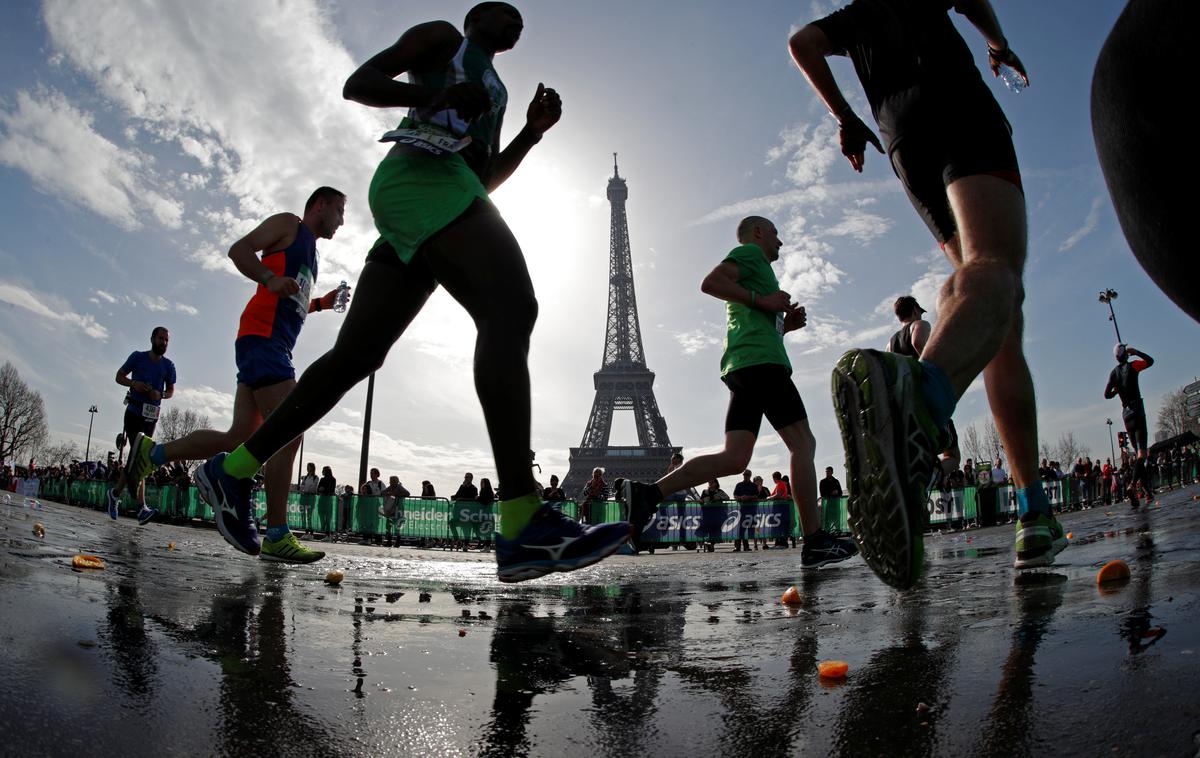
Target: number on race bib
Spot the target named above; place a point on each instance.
(150, 412)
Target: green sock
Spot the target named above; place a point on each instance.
(240, 464)
(516, 513)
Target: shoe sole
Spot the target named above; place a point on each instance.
(277, 559)
(143, 521)
(205, 490)
(535, 569)
(880, 519)
(823, 562)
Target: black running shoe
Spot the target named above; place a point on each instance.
(822, 548)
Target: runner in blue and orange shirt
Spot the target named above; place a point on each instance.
(267, 332)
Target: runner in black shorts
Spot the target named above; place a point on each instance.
(150, 377)
(1123, 382)
(910, 341)
(949, 143)
(756, 369)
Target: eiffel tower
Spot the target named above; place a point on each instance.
(623, 381)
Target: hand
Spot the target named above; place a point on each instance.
(796, 318)
(1006, 57)
(468, 99)
(329, 299)
(544, 110)
(141, 388)
(854, 136)
(283, 286)
(154, 394)
(775, 302)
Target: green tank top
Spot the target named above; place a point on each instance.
(753, 336)
(469, 64)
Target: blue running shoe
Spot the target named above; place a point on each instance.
(145, 514)
(113, 502)
(230, 501)
(552, 542)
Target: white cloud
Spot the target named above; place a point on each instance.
(1089, 225)
(707, 336)
(212, 402)
(51, 308)
(56, 145)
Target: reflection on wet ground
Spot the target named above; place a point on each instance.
(199, 649)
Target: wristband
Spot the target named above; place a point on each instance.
(263, 281)
(317, 305)
(753, 297)
(1001, 53)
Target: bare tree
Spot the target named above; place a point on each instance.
(969, 442)
(1069, 448)
(1044, 450)
(59, 455)
(175, 424)
(991, 439)
(1172, 416)
(22, 416)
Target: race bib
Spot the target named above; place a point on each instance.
(426, 139)
(300, 300)
(150, 412)
(780, 323)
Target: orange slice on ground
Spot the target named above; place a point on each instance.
(334, 577)
(1070, 535)
(87, 562)
(833, 669)
(1113, 571)
(791, 596)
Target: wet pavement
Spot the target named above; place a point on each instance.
(196, 649)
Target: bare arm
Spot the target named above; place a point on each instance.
(809, 47)
(920, 335)
(983, 17)
(1110, 390)
(276, 233)
(544, 112)
(169, 393)
(722, 283)
(374, 82)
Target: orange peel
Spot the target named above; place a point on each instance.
(334, 577)
(832, 669)
(1113, 571)
(87, 562)
(791, 596)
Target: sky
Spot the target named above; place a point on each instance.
(140, 138)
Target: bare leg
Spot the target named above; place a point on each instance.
(803, 447)
(277, 472)
(204, 443)
(980, 327)
(739, 445)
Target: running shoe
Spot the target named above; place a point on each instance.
(891, 444)
(642, 500)
(139, 465)
(1039, 539)
(145, 513)
(552, 542)
(113, 502)
(230, 501)
(823, 548)
(287, 549)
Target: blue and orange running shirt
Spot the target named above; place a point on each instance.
(280, 318)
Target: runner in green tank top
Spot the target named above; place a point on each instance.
(756, 369)
(429, 199)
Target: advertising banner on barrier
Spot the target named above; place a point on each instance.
(719, 522)
(27, 487)
(946, 506)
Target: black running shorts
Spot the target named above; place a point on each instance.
(966, 141)
(763, 389)
(134, 423)
(1135, 425)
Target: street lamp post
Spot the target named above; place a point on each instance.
(1111, 447)
(366, 439)
(1106, 297)
(91, 417)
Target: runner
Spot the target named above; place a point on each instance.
(429, 198)
(150, 377)
(756, 369)
(910, 341)
(1123, 381)
(951, 147)
(267, 333)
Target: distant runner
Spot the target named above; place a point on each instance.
(150, 377)
(1123, 382)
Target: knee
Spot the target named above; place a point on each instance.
(512, 316)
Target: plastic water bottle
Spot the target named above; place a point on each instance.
(1012, 79)
(34, 504)
(343, 297)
